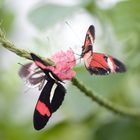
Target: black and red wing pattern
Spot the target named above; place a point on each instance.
(50, 98)
(49, 101)
(90, 37)
(101, 64)
(98, 63)
(89, 40)
(43, 109)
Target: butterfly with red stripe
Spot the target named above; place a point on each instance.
(49, 100)
(98, 63)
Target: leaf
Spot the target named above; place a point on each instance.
(49, 14)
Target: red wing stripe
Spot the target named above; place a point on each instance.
(39, 64)
(43, 109)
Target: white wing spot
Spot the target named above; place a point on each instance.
(91, 38)
(52, 91)
(51, 76)
(110, 64)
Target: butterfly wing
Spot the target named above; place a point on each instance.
(39, 62)
(89, 40)
(58, 97)
(49, 101)
(101, 64)
(43, 110)
(32, 75)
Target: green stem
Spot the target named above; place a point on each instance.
(95, 97)
(105, 103)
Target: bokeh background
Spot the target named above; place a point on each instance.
(47, 26)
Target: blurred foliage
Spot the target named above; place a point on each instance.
(85, 120)
(6, 17)
(121, 129)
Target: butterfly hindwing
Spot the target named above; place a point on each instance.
(49, 101)
(32, 75)
(25, 70)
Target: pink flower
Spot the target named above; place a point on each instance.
(64, 61)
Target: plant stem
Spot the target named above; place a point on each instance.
(95, 97)
(105, 103)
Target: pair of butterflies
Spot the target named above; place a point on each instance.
(52, 94)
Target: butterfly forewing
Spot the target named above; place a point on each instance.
(43, 109)
(58, 97)
(49, 101)
(90, 36)
(25, 70)
(89, 40)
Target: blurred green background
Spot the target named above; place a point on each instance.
(40, 26)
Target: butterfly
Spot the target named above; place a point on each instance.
(98, 63)
(52, 94)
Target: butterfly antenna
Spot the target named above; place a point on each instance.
(26, 68)
(79, 57)
(23, 66)
(49, 40)
(20, 64)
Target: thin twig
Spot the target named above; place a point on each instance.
(105, 103)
